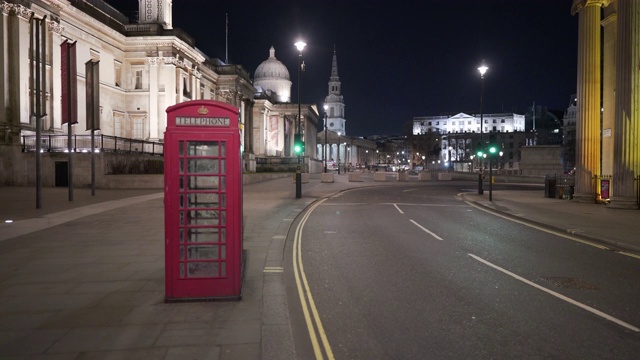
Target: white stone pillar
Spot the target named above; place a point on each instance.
(588, 94)
(154, 116)
(609, 25)
(627, 116)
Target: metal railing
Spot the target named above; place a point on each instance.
(82, 143)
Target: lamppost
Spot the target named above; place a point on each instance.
(482, 69)
(300, 46)
(338, 146)
(324, 148)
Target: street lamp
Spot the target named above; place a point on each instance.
(482, 69)
(324, 148)
(338, 146)
(300, 46)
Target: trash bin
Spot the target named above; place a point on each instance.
(550, 187)
(560, 192)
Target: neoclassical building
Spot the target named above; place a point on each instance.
(608, 99)
(276, 117)
(144, 68)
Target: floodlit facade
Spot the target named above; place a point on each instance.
(464, 123)
(608, 100)
(144, 68)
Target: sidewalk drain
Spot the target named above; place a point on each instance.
(569, 283)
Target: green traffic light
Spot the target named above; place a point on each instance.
(493, 149)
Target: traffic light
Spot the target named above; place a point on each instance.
(479, 151)
(298, 144)
(493, 145)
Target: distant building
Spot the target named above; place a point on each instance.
(464, 123)
(458, 137)
(569, 135)
(342, 149)
(275, 117)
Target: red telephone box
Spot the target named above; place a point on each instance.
(202, 202)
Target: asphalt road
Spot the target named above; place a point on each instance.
(412, 272)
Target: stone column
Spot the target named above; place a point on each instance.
(609, 25)
(588, 94)
(153, 99)
(627, 117)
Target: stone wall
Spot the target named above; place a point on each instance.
(541, 160)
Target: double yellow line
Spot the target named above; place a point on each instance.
(306, 300)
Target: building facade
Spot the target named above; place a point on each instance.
(608, 100)
(144, 68)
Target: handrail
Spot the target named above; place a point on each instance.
(102, 143)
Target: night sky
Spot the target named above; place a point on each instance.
(399, 59)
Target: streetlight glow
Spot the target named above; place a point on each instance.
(300, 45)
(483, 69)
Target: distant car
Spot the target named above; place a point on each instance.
(331, 165)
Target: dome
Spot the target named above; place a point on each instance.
(271, 68)
(271, 75)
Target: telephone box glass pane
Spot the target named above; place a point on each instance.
(203, 200)
(223, 235)
(202, 252)
(181, 148)
(223, 269)
(223, 218)
(203, 183)
(203, 217)
(223, 183)
(223, 149)
(203, 166)
(223, 203)
(203, 235)
(202, 148)
(223, 166)
(202, 269)
(182, 270)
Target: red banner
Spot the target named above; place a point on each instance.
(69, 83)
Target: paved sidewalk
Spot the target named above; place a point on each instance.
(85, 280)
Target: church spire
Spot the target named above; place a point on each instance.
(334, 79)
(335, 101)
(334, 67)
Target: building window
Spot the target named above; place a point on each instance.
(494, 121)
(138, 128)
(117, 71)
(502, 121)
(186, 89)
(138, 84)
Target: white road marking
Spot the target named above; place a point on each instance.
(558, 295)
(426, 230)
(398, 209)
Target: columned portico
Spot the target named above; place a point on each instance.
(627, 106)
(588, 95)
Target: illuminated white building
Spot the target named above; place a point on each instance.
(464, 123)
(144, 67)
